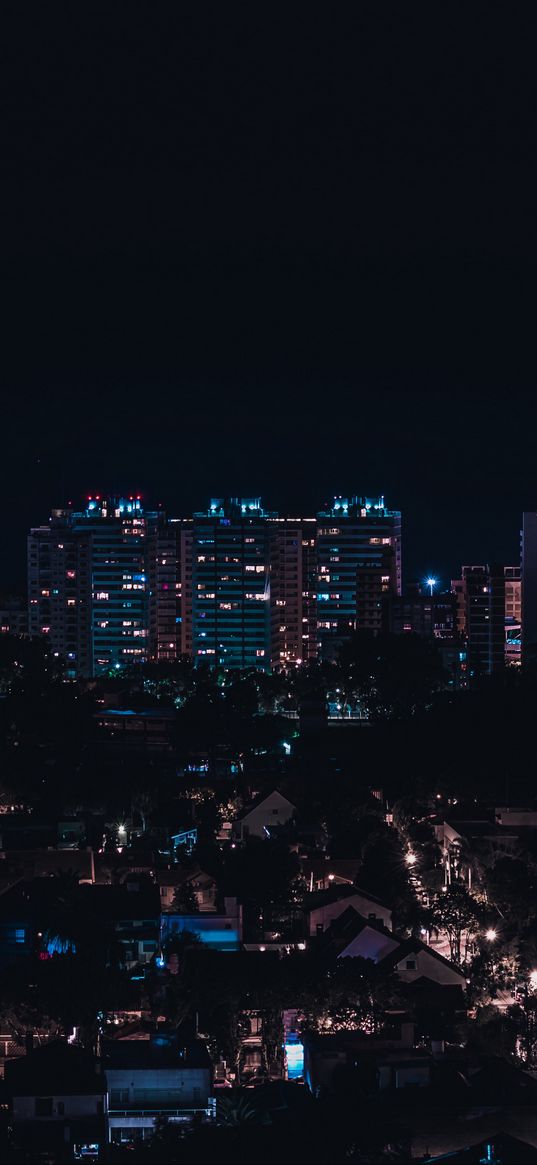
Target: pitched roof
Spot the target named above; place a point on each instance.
(337, 892)
(259, 800)
(413, 946)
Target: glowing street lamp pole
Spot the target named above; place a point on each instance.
(431, 583)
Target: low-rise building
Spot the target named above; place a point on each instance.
(58, 1103)
(264, 815)
(221, 930)
(151, 1078)
(322, 907)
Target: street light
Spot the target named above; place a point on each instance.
(491, 934)
(411, 859)
(431, 583)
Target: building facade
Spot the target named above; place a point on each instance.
(293, 591)
(88, 584)
(114, 585)
(529, 586)
(484, 594)
(358, 562)
(231, 584)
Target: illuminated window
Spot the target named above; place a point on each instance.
(101, 596)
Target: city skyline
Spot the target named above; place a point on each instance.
(418, 562)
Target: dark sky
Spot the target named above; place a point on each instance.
(272, 249)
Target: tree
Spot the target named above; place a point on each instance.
(458, 914)
(184, 899)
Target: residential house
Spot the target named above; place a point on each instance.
(57, 1099)
(263, 817)
(322, 907)
(378, 1063)
(220, 930)
(132, 912)
(203, 886)
(352, 936)
(151, 1078)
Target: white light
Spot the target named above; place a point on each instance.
(491, 934)
(533, 979)
(411, 859)
(331, 877)
(121, 829)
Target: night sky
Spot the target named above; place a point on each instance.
(284, 250)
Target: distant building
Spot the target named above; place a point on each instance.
(513, 615)
(529, 586)
(231, 584)
(484, 594)
(88, 585)
(170, 594)
(293, 591)
(358, 561)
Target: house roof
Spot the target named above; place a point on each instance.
(260, 801)
(163, 1050)
(349, 925)
(55, 1068)
(178, 876)
(412, 946)
(337, 893)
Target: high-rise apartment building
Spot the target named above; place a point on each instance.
(529, 586)
(231, 584)
(293, 590)
(513, 615)
(484, 593)
(235, 586)
(358, 561)
(170, 595)
(88, 584)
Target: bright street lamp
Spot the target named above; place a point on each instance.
(411, 859)
(491, 934)
(431, 583)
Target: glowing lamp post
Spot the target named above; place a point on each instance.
(431, 583)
